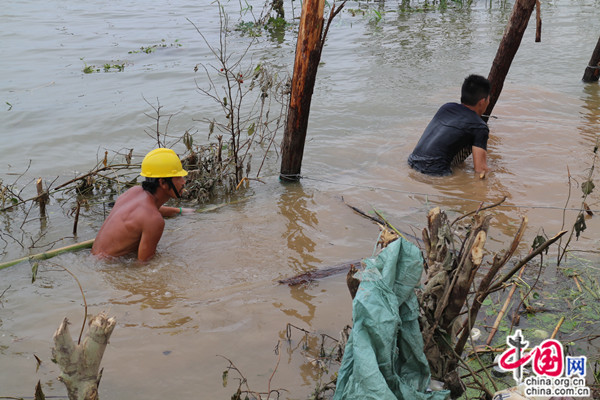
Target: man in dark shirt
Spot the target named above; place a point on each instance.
(456, 131)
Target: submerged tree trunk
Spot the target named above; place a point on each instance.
(308, 55)
(592, 71)
(80, 363)
(508, 48)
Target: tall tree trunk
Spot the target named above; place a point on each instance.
(508, 48)
(308, 55)
(592, 71)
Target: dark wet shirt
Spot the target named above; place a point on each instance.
(448, 139)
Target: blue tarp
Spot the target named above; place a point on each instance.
(384, 356)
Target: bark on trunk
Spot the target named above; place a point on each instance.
(308, 55)
(592, 71)
(508, 48)
(80, 363)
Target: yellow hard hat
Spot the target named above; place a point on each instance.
(162, 163)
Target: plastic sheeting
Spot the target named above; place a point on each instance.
(384, 357)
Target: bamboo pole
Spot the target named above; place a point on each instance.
(508, 49)
(49, 254)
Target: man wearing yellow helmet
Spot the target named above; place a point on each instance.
(136, 223)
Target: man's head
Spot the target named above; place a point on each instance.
(162, 166)
(474, 89)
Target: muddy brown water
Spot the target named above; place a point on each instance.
(212, 290)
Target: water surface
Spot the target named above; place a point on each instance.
(212, 290)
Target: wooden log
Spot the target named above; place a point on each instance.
(80, 363)
(307, 277)
(592, 71)
(308, 55)
(508, 49)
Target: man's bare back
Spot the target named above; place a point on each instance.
(135, 224)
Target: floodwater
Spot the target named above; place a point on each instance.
(212, 290)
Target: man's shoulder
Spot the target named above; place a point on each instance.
(149, 217)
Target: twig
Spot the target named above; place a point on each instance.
(76, 218)
(555, 332)
(273, 374)
(537, 279)
(65, 184)
(388, 224)
(364, 214)
(484, 368)
(503, 310)
(4, 291)
(82, 295)
(582, 207)
(484, 285)
(479, 209)
(332, 14)
(468, 367)
(524, 261)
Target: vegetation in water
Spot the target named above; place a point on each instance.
(107, 67)
(152, 48)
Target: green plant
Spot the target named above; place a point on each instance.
(242, 125)
(152, 48)
(89, 69)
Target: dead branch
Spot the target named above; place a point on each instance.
(307, 277)
(524, 261)
(484, 286)
(479, 209)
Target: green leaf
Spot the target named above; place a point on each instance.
(14, 200)
(538, 241)
(34, 271)
(580, 225)
(39, 393)
(225, 374)
(251, 129)
(587, 187)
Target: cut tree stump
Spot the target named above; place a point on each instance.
(80, 363)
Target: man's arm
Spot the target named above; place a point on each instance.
(174, 211)
(480, 159)
(151, 234)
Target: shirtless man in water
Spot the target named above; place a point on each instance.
(136, 222)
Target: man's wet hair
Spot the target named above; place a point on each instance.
(150, 185)
(474, 88)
